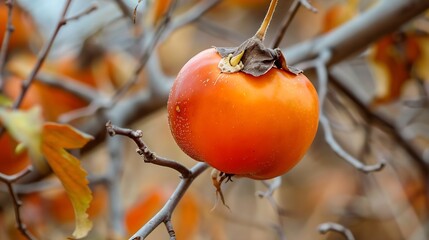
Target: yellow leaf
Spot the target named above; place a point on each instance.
(55, 139)
(25, 127)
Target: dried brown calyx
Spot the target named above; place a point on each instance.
(253, 58)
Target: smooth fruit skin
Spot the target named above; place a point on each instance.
(257, 127)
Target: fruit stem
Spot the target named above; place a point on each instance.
(260, 34)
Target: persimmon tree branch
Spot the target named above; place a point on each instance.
(143, 150)
(268, 194)
(322, 73)
(358, 33)
(164, 215)
(329, 226)
(187, 177)
(46, 48)
(9, 180)
(6, 40)
(163, 30)
(149, 47)
(126, 12)
(293, 9)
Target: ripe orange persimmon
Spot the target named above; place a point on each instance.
(257, 127)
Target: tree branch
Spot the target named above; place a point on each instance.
(164, 214)
(9, 180)
(143, 150)
(326, 227)
(47, 47)
(293, 9)
(126, 12)
(359, 32)
(322, 74)
(6, 40)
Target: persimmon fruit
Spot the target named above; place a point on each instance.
(257, 127)
(243, 110)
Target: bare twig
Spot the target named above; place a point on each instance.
(169, 225)
(6, 40)
(9, 180)
(293, 9)
(165, 213)
(268, 194)
(146, 54)
(143, 150)
(44, 52)
(329, 226)
(322, 74)
(85, 12)
(219, 30)
(116, 150)
(189, 16)
(164, 29)
(126, 12)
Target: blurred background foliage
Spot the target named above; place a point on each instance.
(378, 112)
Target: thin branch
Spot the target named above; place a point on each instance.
(164, 29)
(146, 54)
(219, 30)
(169, 225)
(9, 180)
(322, 74)
(116, 153)
(189, 16)
(89, 10)
(268, 194)
(6, 40)
(329, 226)
(293, 9)
(44, 52)
(143, 150)
(126, 12)
(164, 214)
(387, 124)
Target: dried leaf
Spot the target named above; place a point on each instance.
(25, 127)
(56, 138)
(391, 62)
